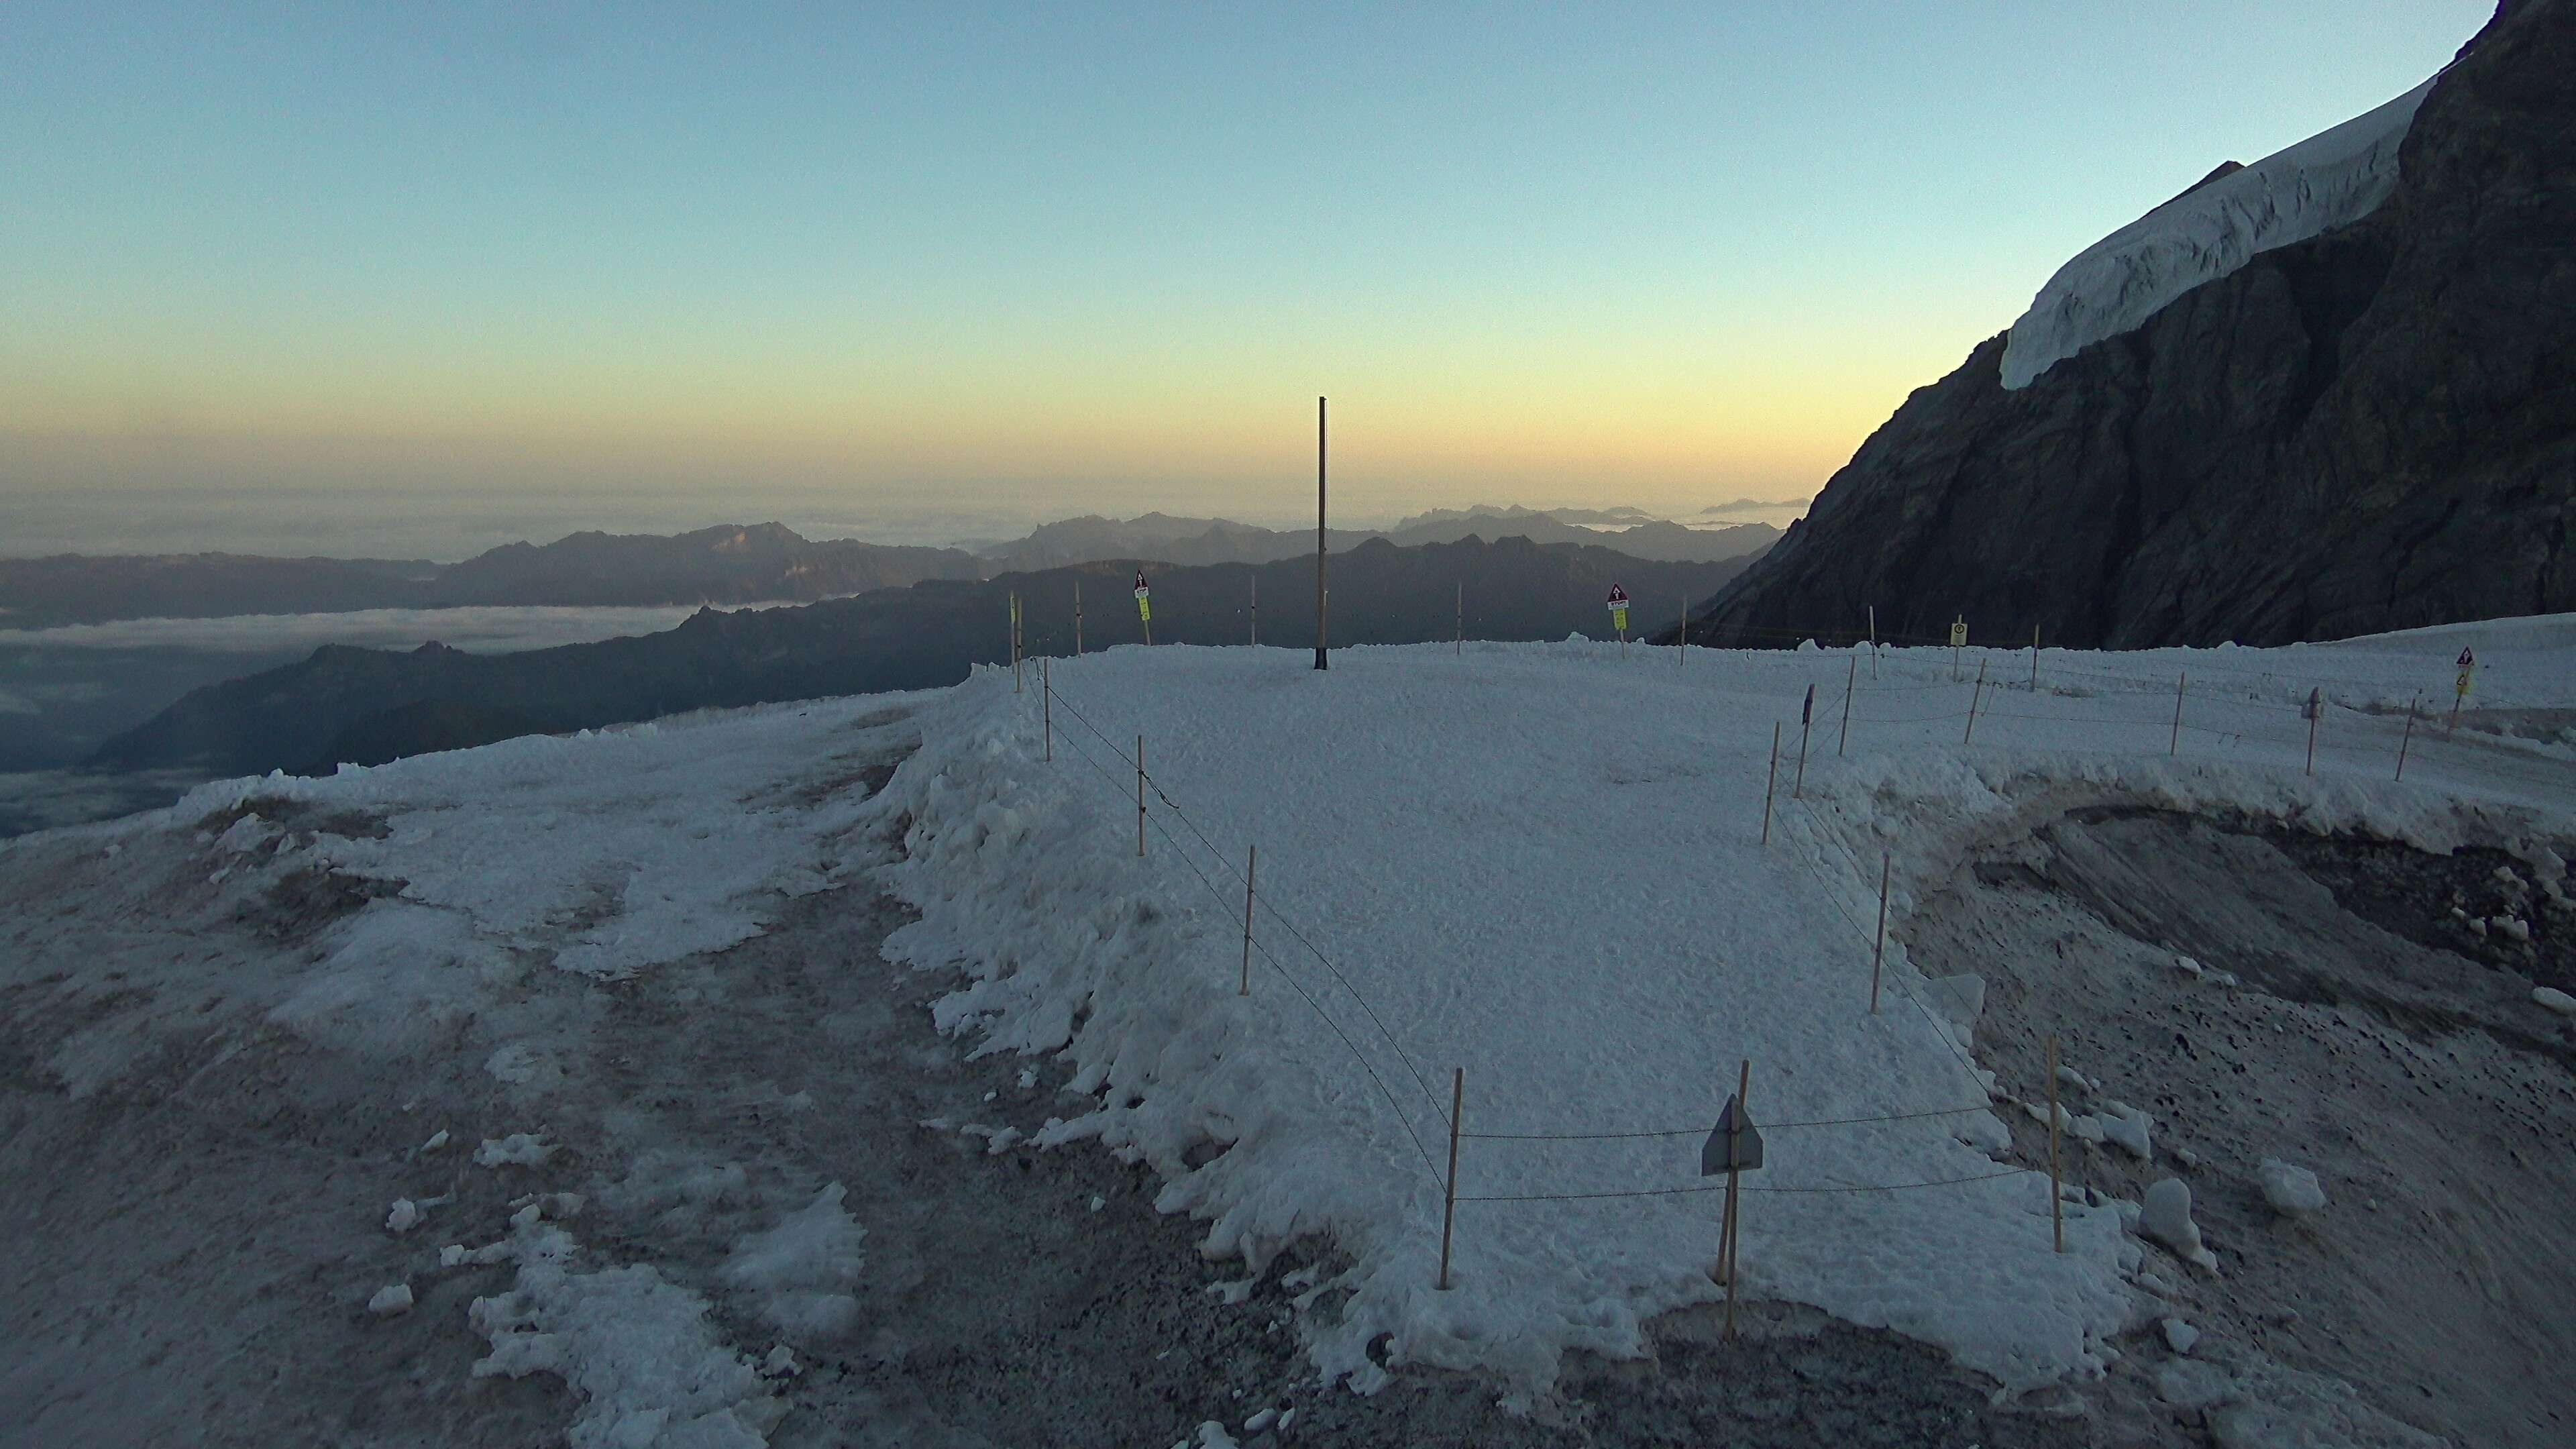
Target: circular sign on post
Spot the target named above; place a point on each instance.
(1959, 634)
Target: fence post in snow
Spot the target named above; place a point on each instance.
(2316, 711)
(1046, 706)
(1731, 1237)
(1256, 611)
(1973, 695)
(1849, 684)
(1251, 858)
(1077, 618)
(1806, 727)
(1015, 643)
(2034, 659)
(2056, 1204)
(1878, 950)
(1140, 796)
(1771, 782)
(1684, 656)
(2409, 737)
(2176, 747)
(1449, 1197)
(1461, 650)
(1873, 642)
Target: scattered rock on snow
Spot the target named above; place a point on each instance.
(2125, 1127)
(2187, 966)
(391, 1300)
(2165, 1216)
(2290, 1189)
(519, 1149)
(404, 1217)
(2180, 1336)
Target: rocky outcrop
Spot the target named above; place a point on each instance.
(2372, 429)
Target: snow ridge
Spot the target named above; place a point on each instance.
(2332, 179)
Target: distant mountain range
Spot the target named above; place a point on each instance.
(726, 565)
(1216, 540)
(366, 706)
(743, 564)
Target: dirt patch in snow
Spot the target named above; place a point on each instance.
(2268, 995)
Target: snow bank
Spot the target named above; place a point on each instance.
(1541, 864)
(2332, 179)
(650, 1370)
(803, 1268)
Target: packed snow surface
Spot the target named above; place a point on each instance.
(1541, 866)
(2332, 179)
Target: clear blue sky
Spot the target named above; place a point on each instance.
(1098, 254)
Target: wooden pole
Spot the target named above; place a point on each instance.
(1973, 696)
(1046, 706)
(1771, 782)
(1015, 643)
(1140, 796)
(1256, 611)
(1077, 618)
(1251, 858)
(1684, 656)
(2176, 747)
(1449, 1198)
(1461, 650)
(1850, 683)
(1878, 949)
(2316, 711)
(1806, 727)
(1734, 1194)
(2056, 1203)
(2034, 659)
(1320, 636)
(1954, 647)
(2409, 737)
(1873, 642)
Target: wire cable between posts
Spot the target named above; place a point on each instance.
(1272, 910)
(1748, 1187)
(1273, 963)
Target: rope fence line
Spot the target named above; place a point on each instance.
(1404, 1118)
(1748, 1187)
(1272, 962)
(2130, 686)
(1226, 864)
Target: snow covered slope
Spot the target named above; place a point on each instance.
(2331, 179)
(1543, 865)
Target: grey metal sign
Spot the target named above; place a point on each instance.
(1735, 1145)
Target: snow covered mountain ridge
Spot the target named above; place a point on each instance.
(2329, 180)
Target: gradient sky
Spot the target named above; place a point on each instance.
(1067, 257)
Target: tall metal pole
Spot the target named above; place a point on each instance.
(1320, 636)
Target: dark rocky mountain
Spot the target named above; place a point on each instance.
(367, 704)
(2372, 429)
(731, 564)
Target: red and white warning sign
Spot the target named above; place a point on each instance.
(1618, 597)
(1141, 590)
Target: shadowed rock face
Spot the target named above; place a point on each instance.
(2375, 429)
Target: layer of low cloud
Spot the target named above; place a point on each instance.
(1756, 505)
(45, 799)
(490, 630)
